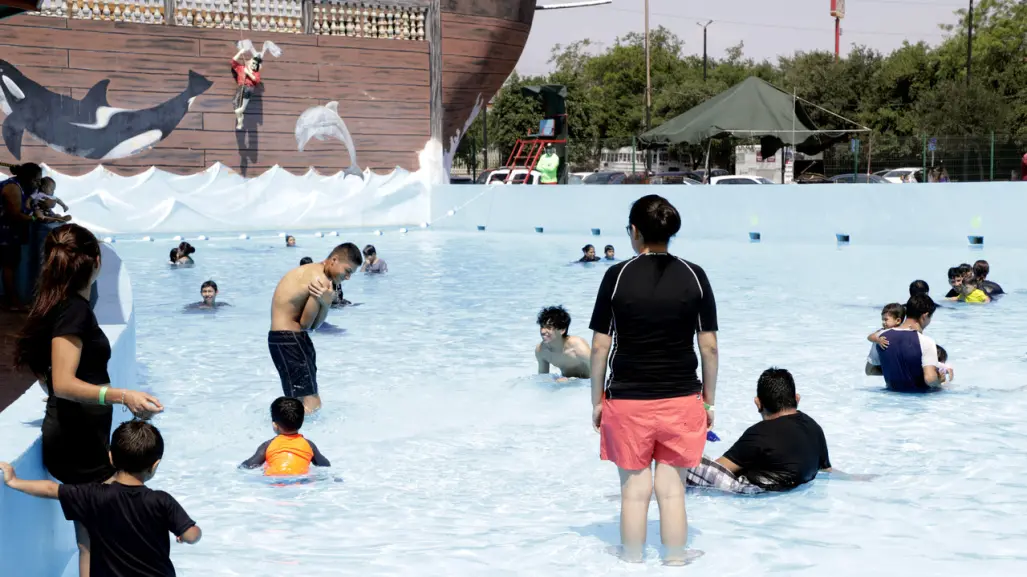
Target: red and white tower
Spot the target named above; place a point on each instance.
(838, 12)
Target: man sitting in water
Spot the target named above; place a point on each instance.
(588, 254)
(910, 363)
(300, 304)
(209, 293)
(609, 252)
(981, 270)
(373, 264)
(784, 450)
(569, 354)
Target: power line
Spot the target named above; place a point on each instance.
(819, 30)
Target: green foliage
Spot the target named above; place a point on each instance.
(915, 91)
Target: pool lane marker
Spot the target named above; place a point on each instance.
(203, 237)
(177, 237)
(319, 234)
(334, 233)
(403, 230)
(754, 237)
(108, 239)
(377, 233)
(244, 236)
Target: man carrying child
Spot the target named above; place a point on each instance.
(907, 358)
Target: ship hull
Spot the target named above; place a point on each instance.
(384, 89)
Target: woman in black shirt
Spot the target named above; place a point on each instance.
(63, 345)
(651, 408)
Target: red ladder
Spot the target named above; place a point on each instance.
(526, 154)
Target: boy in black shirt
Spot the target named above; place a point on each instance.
(128, 523)
(784, 450)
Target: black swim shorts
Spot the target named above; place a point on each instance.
(294, 357)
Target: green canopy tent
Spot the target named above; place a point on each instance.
(753, 108)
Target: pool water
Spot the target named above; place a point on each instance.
(451, 457)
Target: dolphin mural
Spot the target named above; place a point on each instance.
(89, 128)
(324, 123)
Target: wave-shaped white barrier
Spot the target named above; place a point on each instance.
(219, 199)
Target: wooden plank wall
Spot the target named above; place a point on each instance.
(478, 53)
(382, 87)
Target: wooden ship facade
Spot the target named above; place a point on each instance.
(402, 71)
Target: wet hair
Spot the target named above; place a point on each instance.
(48, 183)
(26, 173)
(210, 284)
(71, 254)
(185, 249)
(943, 355)
(585, 248)
(920, 305)
(894, 310)
(289, 237)
(287, 413)
(608, 248)
(981, 269)
(919, 287)
(347, 252)
(136, 446)
(173, 255)
(306, 260)
(954, 273)
(776, 391)
(556, 317)
(370, 250)
(966, 269)
(655, 218)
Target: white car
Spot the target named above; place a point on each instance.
(904, 175)
(518, 176)
(740, 179)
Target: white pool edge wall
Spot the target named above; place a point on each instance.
(908, 214)
(35, 539)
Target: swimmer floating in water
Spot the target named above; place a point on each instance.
(290, 241)
(610, 254)
(209, 293)
(289, 453)
(569, 354)
(588, 254)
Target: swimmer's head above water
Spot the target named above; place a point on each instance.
(342, 262)
(652, 222)
(610, 254)
(370, 253)
(553, 322)
(920, 309)
(209, 292)
(919, 287)
(286, 415)
(775, 392)
(306, 260)
(892, 315)
(589, 251)
(290, 241)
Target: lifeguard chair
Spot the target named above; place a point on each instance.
(552, 131)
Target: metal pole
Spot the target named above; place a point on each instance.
(704, 52)
(485, 137)
(969, 41)
(925, 159)
(634, 154)
(837, 38)
(992, 172)
(648, 81)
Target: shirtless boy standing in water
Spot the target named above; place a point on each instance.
(301, 303)
(569, 354)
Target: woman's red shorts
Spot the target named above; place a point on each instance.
(635, 433)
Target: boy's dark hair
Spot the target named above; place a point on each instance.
(287, 413)
(954, 273)
(47, 181)
(920, 305)
(306, 260)
(585, 248)
(210, 284)
(943, 355)
(894, 310)
(655, 218)
(608, 248)
(981, 269)
(136, 446)
(776, 390)
(966, 269)
(556, 317)
(369, 250)
(173, 255)
(919, 287)
(348, 252)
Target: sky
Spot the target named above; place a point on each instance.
(769, 28)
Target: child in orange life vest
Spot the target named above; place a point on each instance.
(288, 453)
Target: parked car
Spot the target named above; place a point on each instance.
(673, 178)
(700, 174)
(461, 180)
(904, 175)
(605, 178)
(811, 178)
(858, 179)
(740, 179)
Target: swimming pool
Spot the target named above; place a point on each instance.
(450, 457)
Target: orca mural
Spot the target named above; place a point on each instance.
(89, 128)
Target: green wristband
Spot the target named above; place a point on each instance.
(103, 395)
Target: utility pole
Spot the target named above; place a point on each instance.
(648, 84)
(485, 136)
(969, 41)
(704, 60)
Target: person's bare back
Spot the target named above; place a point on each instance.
(573, 358)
